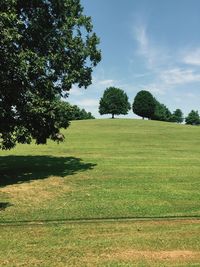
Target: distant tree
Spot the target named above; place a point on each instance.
(161, 113)
(177, 116)
(84, 115)
(114, 101)
(193, 118)
(168, 115)
(144, 104)
(90, 116)
(46, 46)
(73, 112)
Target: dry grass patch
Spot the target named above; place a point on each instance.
(37, 191)
(174, 255)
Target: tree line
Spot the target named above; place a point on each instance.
(115, 102)
(73, 112)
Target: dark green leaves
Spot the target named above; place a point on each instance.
(193, 118)
(114, 101)
(45, 48)
(144, 104)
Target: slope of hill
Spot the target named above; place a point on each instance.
(105, 169)
(117, 169)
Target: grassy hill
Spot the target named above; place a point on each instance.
(105, 169)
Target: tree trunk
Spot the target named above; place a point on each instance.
(143, 118)
(113, 116)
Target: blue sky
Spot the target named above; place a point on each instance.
(149, 45)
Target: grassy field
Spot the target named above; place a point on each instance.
(102, 244)
(104, 169)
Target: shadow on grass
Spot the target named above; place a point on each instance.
(20, 169)
(4, 205)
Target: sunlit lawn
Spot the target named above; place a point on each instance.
(104, 169)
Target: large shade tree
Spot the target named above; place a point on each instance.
(46, 46)
(114, 101)
(144, 104)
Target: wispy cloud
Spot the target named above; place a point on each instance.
(144, 48)
(166, 67)
(107, 82)
(154, 55)
(102, 82)
(177, 76)
(192, 57)
(76, 91)
(141, 75)
(88, 102)
(141, 37)
(155, 88)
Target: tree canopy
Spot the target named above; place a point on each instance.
(114, 101)
(193, 118)
(161, 113)
(76, 113)
(144, 104)
(45, 48)
(177, 116)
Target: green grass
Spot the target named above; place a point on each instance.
(104, 169)
(102, 244)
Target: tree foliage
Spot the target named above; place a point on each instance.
(161, 113)
(144, 104)
(177, 116)
(193, 118)
(76, 113)
(45, 48)
(114, 101)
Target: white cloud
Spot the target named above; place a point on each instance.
(76, 91)
(154, 55)
(107, 82)
(171, 78)
(141, 75)
(190, 95)
(192, 57)
(157, 88)
(177, 76)
(101, 82)
(88, 102)
(141, 37)
(165, 67)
